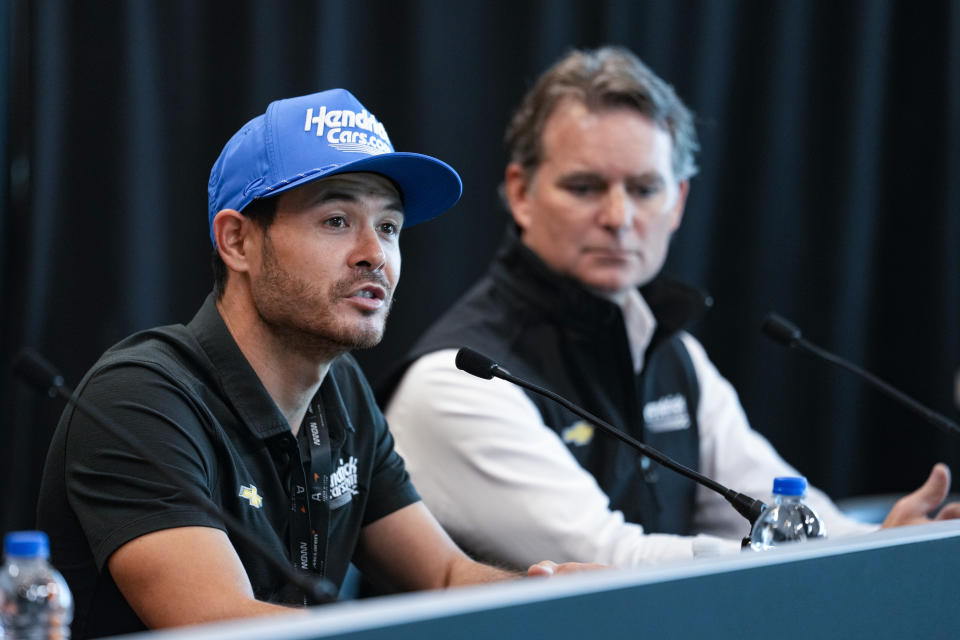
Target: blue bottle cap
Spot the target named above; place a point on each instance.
(790, 486)
(27, 544)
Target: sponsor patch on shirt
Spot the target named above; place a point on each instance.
(579, 433)
(343, 483)
(668, 413)
(249, 493)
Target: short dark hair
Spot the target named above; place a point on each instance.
(262, 212)
(608, 77)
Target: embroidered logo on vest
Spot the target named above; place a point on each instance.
(579, 433)
(668, 413)
(251, 495)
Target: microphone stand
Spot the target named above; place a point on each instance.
(479, 365)
(786, 333)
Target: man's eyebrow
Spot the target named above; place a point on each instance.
(584, 173)
(647, 177)
(325, 196)
(650, 177)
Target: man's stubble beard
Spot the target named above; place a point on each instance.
(303, 318)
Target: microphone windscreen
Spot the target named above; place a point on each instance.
(475, 363)
(37, 371)
(782, 330)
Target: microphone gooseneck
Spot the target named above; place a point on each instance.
(41, 374)
(481, 366)
(786, 333)
(781, 330)
(38, 372)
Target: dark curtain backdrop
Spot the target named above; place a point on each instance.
(829, 189)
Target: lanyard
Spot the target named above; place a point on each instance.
(310, 494)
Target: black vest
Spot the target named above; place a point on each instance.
(551, 331)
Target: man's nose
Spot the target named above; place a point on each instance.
(368, 252)
(619, 211)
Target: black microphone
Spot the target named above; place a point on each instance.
(40, 373)
(481, 366)
(788, 334)
(476, 364)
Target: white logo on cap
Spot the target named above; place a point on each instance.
(343, 133)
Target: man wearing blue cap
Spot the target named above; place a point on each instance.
(255, 402)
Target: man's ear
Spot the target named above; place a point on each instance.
(230, 230)
(516, 188)
(683, 190)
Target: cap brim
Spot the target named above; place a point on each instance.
(428, 186)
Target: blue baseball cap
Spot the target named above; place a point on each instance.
(302, 139)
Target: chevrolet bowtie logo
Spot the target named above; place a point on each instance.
(250, 493)
(580, 433)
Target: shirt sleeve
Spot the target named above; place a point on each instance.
(115, 492)
(390, 485)
(738, 457)
(503, 484)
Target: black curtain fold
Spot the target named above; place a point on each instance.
(828, 189)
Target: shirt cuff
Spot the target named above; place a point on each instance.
(706, 545)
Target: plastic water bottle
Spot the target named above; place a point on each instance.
(35, 602)
(788, 519)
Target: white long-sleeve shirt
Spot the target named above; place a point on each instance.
(508, 489)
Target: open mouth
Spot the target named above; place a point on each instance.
(369, 296)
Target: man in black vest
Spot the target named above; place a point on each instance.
(602, 151)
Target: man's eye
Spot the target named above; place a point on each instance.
(644, 190)
(583, 189)
(336, 222)
(389, 228)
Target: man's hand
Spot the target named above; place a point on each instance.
(548, 568)
(408, 549)
(914, 507)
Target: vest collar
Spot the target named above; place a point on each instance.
(524, 274)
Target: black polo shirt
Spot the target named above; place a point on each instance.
(191, 397)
